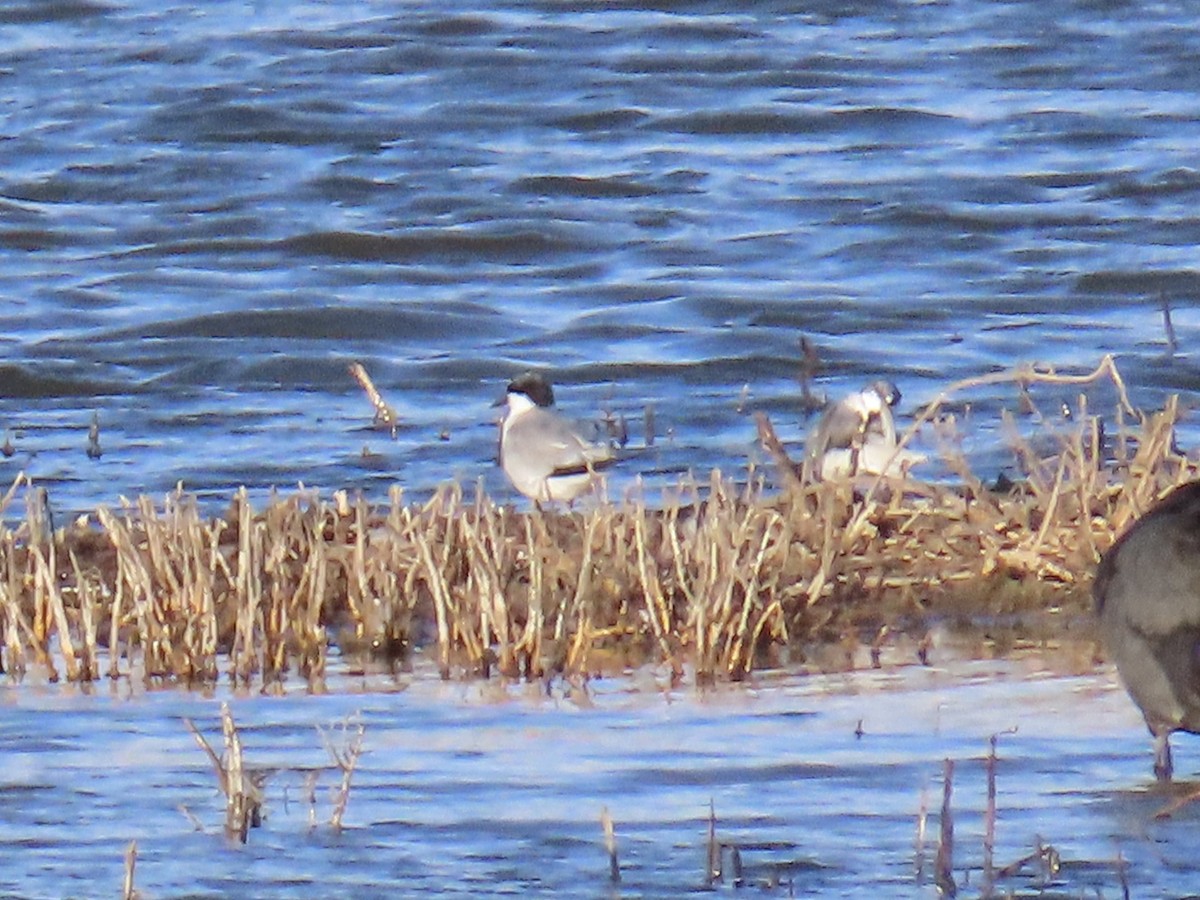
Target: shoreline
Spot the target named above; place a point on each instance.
(724, 579)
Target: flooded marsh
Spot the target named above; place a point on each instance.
(489, 789)
(728, 577)
(810, 691)
(262, 637)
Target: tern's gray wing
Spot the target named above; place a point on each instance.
(543, 440)
(838, 427)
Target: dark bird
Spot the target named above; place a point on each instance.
(1147, 594)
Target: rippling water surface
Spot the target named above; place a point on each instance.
(485, 790)
(207, 211)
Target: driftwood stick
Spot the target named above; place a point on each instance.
(771, 443)
(386, 417)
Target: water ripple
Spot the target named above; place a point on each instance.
(651, 202)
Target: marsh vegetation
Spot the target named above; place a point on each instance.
(724, 576)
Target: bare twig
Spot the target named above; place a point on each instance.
(771, 443)
(127, 890)
(385, 416)
(610, 845)
(712, 866)
(346, 759)
(944, 864)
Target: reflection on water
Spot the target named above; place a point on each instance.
(484, 789)
(209, 212)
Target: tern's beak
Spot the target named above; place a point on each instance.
(500, 401)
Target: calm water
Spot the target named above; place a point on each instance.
(481, 790)
(207, 211)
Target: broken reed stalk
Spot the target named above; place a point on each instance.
(610, 846)
(919, 840)
(18, 482)
(712, 857)
(346, 759)
(243, 793)
(16, 630)
(127, 890)
(989, 818)
(241, 809)
(385, 415)
(436, 584)
(944, 862)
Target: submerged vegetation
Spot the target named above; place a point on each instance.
(722, 577)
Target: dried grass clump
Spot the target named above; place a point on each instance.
(720, 578)
(241, 785)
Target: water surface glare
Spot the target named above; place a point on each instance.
(482, 789)
(207, 211)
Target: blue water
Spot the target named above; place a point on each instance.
(207, 213)
(490, 790)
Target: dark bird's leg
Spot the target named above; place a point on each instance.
(1163, 768)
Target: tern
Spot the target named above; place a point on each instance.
(857, 435)
(543, 454)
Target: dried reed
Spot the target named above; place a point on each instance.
(128, 892)
(242, 787)
(610, 846)
(722, 577)
(385, 416)
(943, 866)
(713, 854)
(345, 757)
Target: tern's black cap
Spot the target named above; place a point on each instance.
(887, 391)
(534, 386)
